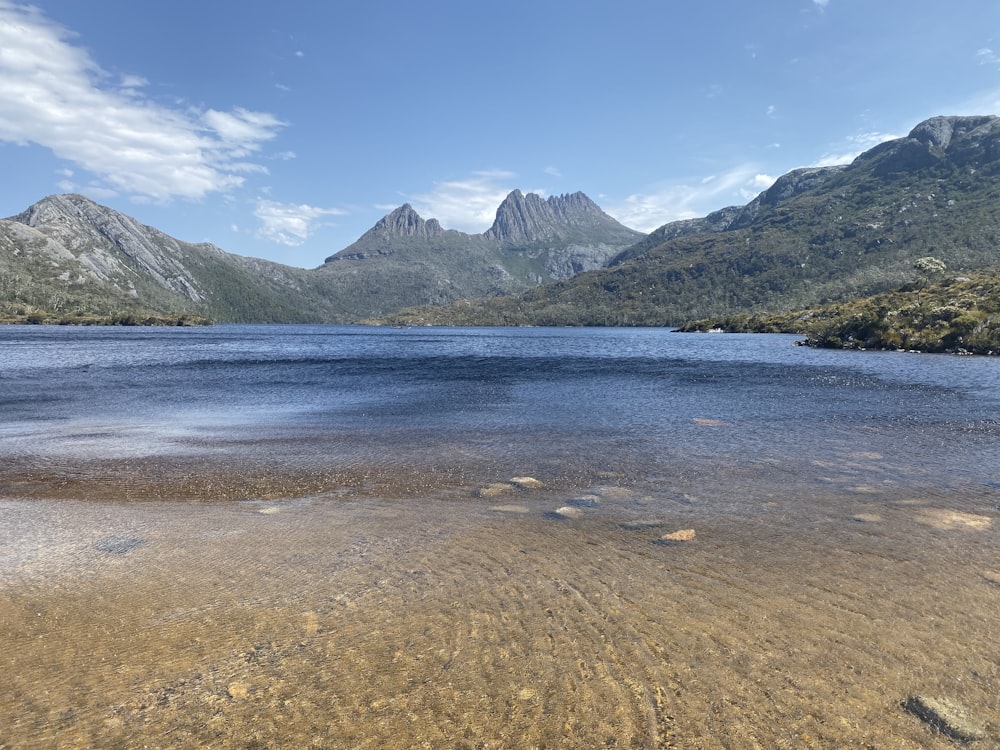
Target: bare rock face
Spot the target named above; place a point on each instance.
(939, 132)
(523, 219)
(405, 222)
(401, 225)
(110, 246)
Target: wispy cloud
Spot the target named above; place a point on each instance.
(52, 93)
(290, 223)
(987, 56)
(469, 205)
(647, 211)
(852, 147)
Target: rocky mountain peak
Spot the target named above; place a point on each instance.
(526, 218)
(939, 132)
(405, 222)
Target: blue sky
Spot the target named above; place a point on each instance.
(286, 130)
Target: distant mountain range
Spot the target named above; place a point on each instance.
(816, 236)
(67, 257)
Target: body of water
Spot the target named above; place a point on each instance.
(309, 536)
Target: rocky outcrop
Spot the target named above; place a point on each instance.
(532, 240)
(945, 142)
(939, 132)
(525, 219)
(109, 246)
(400, 225)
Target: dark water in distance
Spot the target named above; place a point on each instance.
(645, 397)
(307, 536)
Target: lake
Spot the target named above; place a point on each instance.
(315, 536)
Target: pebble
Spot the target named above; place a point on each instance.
(683, 535)
(495, 490)
(568, 511)
(238, 690)
(947, 716)
(866, 517)
(527, 483)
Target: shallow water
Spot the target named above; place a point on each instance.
(260, 537)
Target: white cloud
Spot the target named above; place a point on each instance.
(469, 205)
(289, 223)
(821, 3)
(852, 147)
(986, 56)
(673, 202)
(53, 94)
(553, 172)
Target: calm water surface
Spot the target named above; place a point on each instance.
(253, 536)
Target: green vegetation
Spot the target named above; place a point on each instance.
(899, 215)
(958, 315)
(896, 221)
(35, 316)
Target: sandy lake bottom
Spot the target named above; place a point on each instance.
(466, 612)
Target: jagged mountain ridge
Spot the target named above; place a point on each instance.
(816, 236)
(532, 240)
(523, 222)
(67, 253)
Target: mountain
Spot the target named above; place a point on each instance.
(816, 236)
(404, 257)
(72, 259)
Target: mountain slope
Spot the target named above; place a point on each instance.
(404, 258)
(816, 236)
(68, 256)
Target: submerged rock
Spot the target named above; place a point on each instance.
(511, 508)
(683, 535)
(495, 490)
(564, 513)
(584, 501)
(866, 517)
(527, 483)
(947, 716)
(943, 518)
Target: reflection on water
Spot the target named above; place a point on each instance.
(375, 579)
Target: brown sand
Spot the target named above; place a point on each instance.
(440, 620)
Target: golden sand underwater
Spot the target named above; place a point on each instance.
(803, 611)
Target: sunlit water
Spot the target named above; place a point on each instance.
(305, 536)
